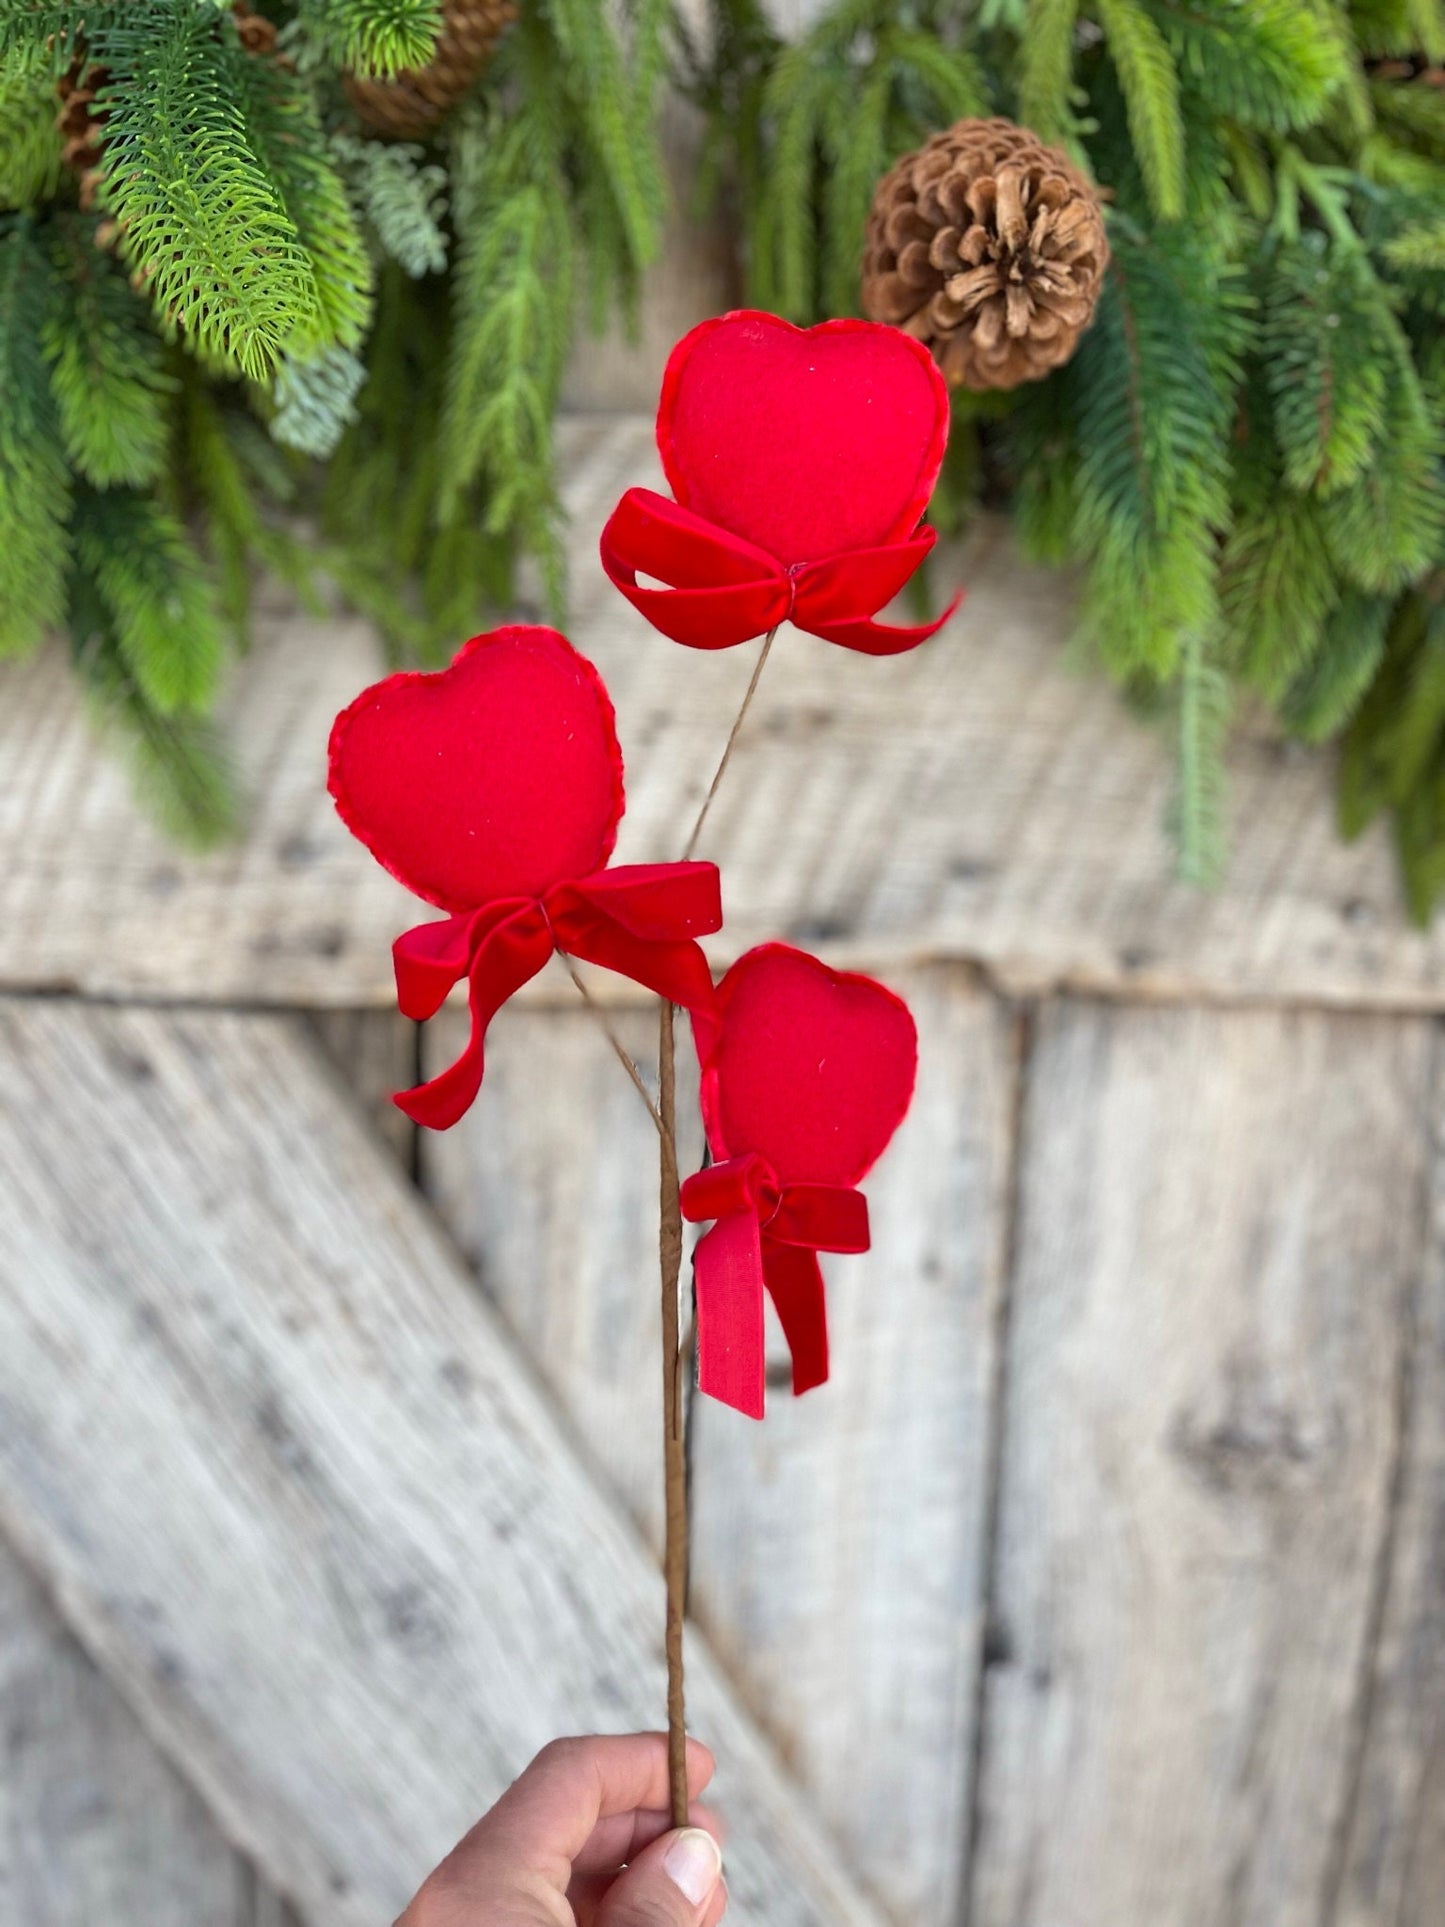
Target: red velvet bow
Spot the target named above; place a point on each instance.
(640, 920)
(493, 788)
(724, 590)
(800, 461)
(767, 1234)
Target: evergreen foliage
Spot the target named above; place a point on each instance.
(260, 289)
(375, 38)
(278, 343)
(1245, 453)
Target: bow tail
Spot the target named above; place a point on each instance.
(509, 955)
(871, 638)
(728, 1274)
(794, 1279)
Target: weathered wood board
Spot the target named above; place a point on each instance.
(836, 1550)
(974, 799)
(311, 1514)
(96, 1828)
(839, 1549)
(1221, 1223)
(1393, 1863)
(375, 1053)
(550, 1187)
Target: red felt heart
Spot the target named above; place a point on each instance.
(805, 441)
(494, 778)
(811, 1068)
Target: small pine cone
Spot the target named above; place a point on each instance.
(418, 98)
(80, 125)
(988, 247)
(255, 32)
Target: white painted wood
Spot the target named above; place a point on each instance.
(1393, 1864)
(839, 1548)
(550, 1186)
(976, 799)
(96, 1829)
(310, 1512)
(1220, 1222)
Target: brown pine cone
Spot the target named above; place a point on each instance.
(80, 124)
(990, 248)
(255, 32)
(418, 98)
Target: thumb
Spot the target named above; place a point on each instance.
(674, 1883)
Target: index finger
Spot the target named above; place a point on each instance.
(551, 1811)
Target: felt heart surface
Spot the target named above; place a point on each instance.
(810, 1067)
(805, 441)
(494, 778)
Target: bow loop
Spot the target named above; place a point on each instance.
(820, 1217)
(641, 920)
(736, 1184)
(430, 958)
(721, 590)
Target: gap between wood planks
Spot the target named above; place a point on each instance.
(1023, 1037)
(1021, 989)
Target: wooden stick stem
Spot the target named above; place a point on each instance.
(674, 1447)
(674, 1441)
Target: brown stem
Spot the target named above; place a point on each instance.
(733, 733)
(619, 1050)
(675, 1546)
(674, 1435)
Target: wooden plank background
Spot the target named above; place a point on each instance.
(1102, 1588)
(1012, 815)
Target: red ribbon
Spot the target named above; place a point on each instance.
(641, 920)
(722, 590)
(766, 1234)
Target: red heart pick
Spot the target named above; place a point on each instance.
(494, 778)
(811, 1068)
(804, 441)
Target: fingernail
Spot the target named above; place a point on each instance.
(693, 1863)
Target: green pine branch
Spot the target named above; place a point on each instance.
(1151, 96)
(30, 159)
(512, 323)
(1046, 66)
(1197, 809)
(111, 388)
(1270, 63)
(158, 603)
(34, 482)
(374, 38)
(287, 138)
(199, 215)
(401, 195)
(1330, 344)
(179, 767)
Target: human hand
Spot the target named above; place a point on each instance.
(583, 1839)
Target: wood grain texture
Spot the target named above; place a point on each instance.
(311, 1514)
(974, 799)
(1392, 1871)
(374, 1053)
(839, 1549)
(549, 1185)
(95, 1826)
(1221, 1224)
